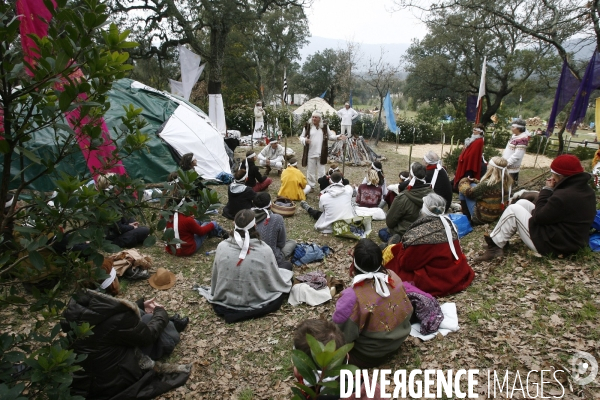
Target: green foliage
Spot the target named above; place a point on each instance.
(325, 361)
(583, 153)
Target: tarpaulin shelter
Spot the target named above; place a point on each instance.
(175, 127)
(311, 105)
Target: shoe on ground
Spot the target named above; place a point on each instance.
(304, 205)
(279, 173)
(180, 323)
(267, 170)
(493, 251)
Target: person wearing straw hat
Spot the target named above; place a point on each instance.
(347, 116)
(119, 362)
(430, 254)
(558, 223)
(272, 156)
(374, 312)
(407, 205)
(293, 182)
(314, 138)
(271, 228)
(516, 147)
(256, 181)
(437, 177)
(239, 196)
(486, 199)
(246, 280)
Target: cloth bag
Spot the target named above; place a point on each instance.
(352, 228)
(463, 226)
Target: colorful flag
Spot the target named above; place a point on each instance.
(472, 107)
(285, 88)
(350, 99)
(389, 113)
(589, 83)
(323, 95)
(481, 92)
(567, 86)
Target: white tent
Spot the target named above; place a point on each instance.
(315, 104)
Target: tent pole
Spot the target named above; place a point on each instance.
(252, 134)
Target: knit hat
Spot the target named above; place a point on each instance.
(162, 279)
(566, 165)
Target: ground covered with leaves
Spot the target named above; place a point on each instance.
(520, 314)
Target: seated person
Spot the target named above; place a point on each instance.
(335, 203)
(369, 194)
(378, 168)
(558, 223)
(324, 180)
(256, 181)
(271, 228)
(485, 200)
(374, 312)
(430, 254)
(293, 182)
(112, 367)
(246, 281)
(127, 233)
(407, 205)
(239, 196)
(437, 177)
(272, 156)
(188, 162)
(191, 231)
(395, 189)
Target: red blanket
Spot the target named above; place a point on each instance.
(469, 160)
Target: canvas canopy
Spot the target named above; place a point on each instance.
(315, 104)
(175, 127)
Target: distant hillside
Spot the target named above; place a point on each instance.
(394, 51)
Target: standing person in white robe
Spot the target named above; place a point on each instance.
(347, 115)
(259, 121)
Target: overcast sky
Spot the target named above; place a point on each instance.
(363, 21)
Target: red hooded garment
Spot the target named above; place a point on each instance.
(469, 160)
(432, 267)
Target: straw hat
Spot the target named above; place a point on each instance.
(163, 279)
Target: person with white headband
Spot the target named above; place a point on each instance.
(558, 223)
(437, 177)
(430, 254)
(246, 280)
(486, 199)
(516, 147)
(239, 196)
(407, 205)
(271, 228)
(314, 138)
(374, 312)
(395, 188)
(293, 182)
(324, 180)
(347, 116)
(470, 161)
(272, 156)
(256, 181)
(335, 203)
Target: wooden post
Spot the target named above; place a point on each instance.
(397, 138)
(409, 156)
(538, 150)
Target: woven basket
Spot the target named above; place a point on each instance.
(285, 211)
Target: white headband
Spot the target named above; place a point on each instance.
(294, 164)
(414, 178)
(251, 155)
(381, 280)
(244, 244)
(9, 203)
(331, 170)
(446, 222)
(503, 169)
(375, 168)
(242, 180)
(517, 126)
(266, 210)
(478, 130)
(108, 281)
(273, 141)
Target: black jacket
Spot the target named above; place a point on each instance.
(561, 220)
(254, 175)
(111, 369)
(238, 201)
(443, 187)
(324, 182)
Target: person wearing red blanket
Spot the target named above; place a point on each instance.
(470, 159)
(430, 255)
(192, 232)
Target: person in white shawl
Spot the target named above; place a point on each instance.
(259, 121)
(515, 148)
(246, 281)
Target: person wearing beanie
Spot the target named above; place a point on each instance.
(430, 254)
(271, 228)
(515, 148)
(347, 116)
(314, 139)
(256, 181)
(272, 157)
(407, 205)
(239, 196)
(558, 223)
(293, 182)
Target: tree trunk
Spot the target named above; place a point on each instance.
(378, 125)
(561, 139)
(218, 39)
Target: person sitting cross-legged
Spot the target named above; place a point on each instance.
(430, 254)
(192, 232)
(324, 180)
(272, 156)
(293, 182)
(246, 280)
(271, 228)
(558, 223)
(239, 196)
(335, 203)
(256, 181)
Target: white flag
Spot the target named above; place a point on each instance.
(190, 70)
(482, 83)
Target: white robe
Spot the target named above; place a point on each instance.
(336, 204)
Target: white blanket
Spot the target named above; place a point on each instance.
(303, 293)
(375, 212)
(449, 324)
